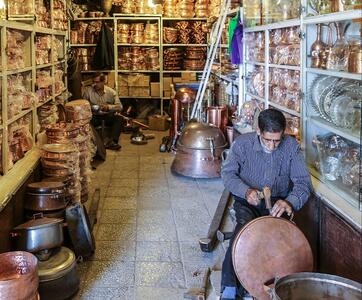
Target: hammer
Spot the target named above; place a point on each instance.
(267, 198)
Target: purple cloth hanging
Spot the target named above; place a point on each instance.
(237, 45)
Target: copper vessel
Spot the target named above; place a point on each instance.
(185, 95)
(217, 116)
(18, 276)
(317, 48)
(199, 149)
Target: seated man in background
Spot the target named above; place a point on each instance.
(108, 103)
(265, 158)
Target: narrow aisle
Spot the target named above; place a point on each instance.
(148, 227)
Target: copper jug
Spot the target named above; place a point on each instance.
(317, 49)
(338, 55)
(325, 53)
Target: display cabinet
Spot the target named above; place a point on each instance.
(332, 69)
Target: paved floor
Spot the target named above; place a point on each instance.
(148, 229)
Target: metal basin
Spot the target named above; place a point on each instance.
(316, 286)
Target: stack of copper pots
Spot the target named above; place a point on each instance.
(48, 198)
(186, 8)
(173, 58)
(152, 59)
(123, 33)
(18, 276)
(61, 163)
(151, 35)
(137, 33)
(202, 8)
(169, 35)
(184, 32)
(127, 7)
(141, 6)
(169, 8)
(137, 59)
(199, 31)
(79, 113)
(124, 58)
(195, 58)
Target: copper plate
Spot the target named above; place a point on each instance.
(267, 248)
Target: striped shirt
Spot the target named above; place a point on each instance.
(108, 96)
(284, 170)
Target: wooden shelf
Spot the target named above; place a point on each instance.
(43, 66)
(184, 45)
(139, 97)
(19, 116)
(284, 109)
(12, 72)
(82, 45)
(137, 45)
(138, 71)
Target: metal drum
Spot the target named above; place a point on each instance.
(199, 151)
(315, 286)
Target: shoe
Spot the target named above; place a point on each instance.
(113, 146)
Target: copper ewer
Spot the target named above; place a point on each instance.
(199, 149)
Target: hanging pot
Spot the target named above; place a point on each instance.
(199, 149)
(18, 276)
(38, 234)
(315, 286)
(58, 278)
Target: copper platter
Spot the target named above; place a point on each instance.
(268, 248)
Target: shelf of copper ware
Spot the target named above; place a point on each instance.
(59, 93)
(18, 25)
(42, 66)
(17, 175)
(261, 99)
(182, 71)
(45, 30)
(334, 17)
(282, 24)
(25, 17)
(249, 62)
(226, 78)
(354, 137)
(137, 45)
(335, 190)
(284, 109)
(347, 75)
(82, 45)
(44, 102)
(19, 116)
(12, 72)
(95, 71)
(184, 45)
(138, 71)
(287, 67)
(139, 97)
(93, 19)
(183, 19)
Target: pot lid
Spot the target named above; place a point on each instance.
(46, 187)
(59, 148)
(199, 136)
(58, 265)
(37, 222)
(268, 248)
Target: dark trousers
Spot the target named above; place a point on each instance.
(244, 213)
(112, 121)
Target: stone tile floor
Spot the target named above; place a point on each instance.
(149, 224)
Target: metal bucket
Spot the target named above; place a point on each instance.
(315, 286)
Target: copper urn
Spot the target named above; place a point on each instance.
(199, 149)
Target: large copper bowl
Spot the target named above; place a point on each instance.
(199, 151)
(18, 276)
(185, 95)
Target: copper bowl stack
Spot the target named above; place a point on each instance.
(18, 276)
(195, 58)
(186, 8)
(202, 8)
(124, 58)
(151, 33)
(137, 33)
(65, 167)
(198, 32)
(123, 33)
(152, 59)
(141, 6)
(184, 32)
(137, 59)
(169, 35)
(173, 58)
(78, 111)
(169, 8)
(127, 7)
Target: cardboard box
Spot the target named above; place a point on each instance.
(177, 79)
(167, 94)
(111, 80)
(187, 77)
(138, 80)
(139, 91)
(122, 80)
(157, 122)
(123, 91)
(155, 89)
(167, 81)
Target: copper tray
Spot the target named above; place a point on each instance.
(268, 248)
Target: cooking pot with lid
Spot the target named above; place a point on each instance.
(199, 149)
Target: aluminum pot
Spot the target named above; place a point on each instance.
(58, 278)
(199, 149)
(315, 286)
(38, 234)
(18, 276)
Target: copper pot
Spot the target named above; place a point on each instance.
(45, 202)
(18, 276)
(199, 151)
(218, 116)
(185, 95)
